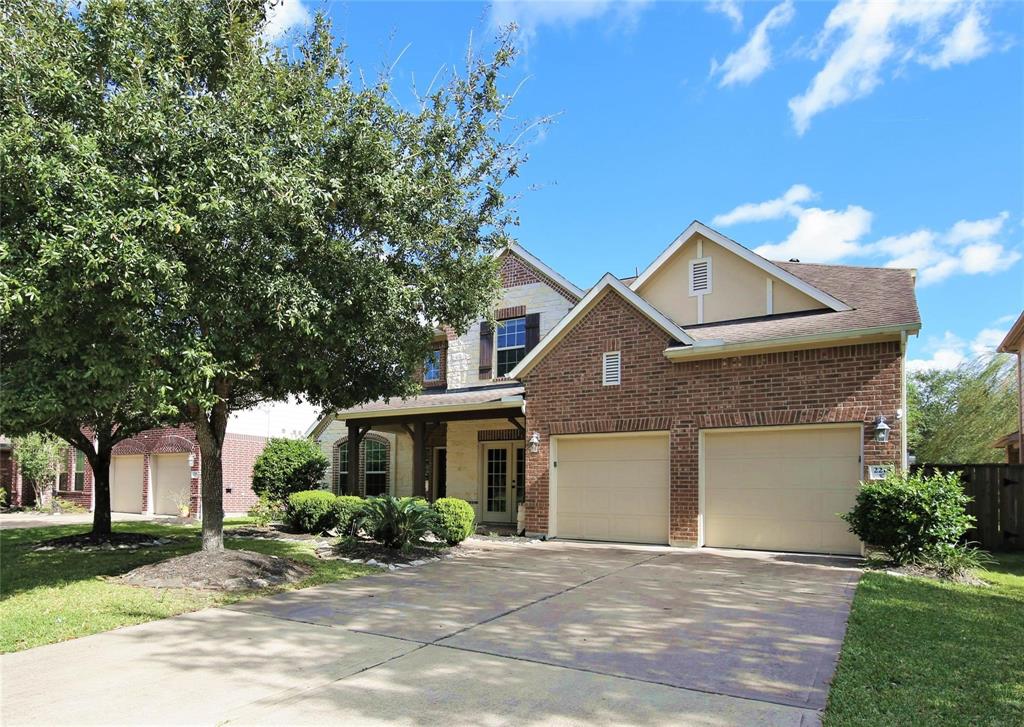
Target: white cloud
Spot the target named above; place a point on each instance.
(865, 37)
(968, 247)
(822, 235)
(755, 56)
(274, 419)
(729, 8)
(284, 16)
(773, 209)
(950, 350)
(974, 230)
(529, 15)
(966, 42)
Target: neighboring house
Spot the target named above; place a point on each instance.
(154, 473)
(1014, 343)
(717, 399)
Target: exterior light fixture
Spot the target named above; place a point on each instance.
(881, 429)
(535, 442)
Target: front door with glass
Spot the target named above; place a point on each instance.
(500, 476)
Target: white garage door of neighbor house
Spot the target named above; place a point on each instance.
(612, 487)
(781, 489)
(126, 483)
(172, 483)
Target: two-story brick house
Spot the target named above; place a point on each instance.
(717, 399)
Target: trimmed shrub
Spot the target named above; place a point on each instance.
(910, 516)
(312, 511)
(455, 519)
(396, 522)
(286, 466)
(345, 510)
(266, 511)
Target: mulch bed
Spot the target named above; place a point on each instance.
(365, 550)
(227, 570)
(268, 532)
(117, 541)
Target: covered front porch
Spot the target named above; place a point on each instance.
(469, 444)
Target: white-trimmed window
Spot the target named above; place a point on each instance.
(611, 368)
(511, 344)
(376, 472)
(700, 276)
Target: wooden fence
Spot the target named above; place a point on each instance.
(997, 501)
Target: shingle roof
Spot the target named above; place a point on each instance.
(878, 297)
(448, 397)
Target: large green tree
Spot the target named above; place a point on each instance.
(81, 287)
(310, 231)
(955, 415)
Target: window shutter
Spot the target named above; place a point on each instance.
(700, 276)
(486, 349)
(532, 331)
(611, 366)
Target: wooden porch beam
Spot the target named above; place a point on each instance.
(419, 456)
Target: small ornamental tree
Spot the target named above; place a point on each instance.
(296, 230)
(286, 466)
(39, 458)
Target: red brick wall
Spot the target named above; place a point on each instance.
(240, 453)
(514, 271)
(565, 396)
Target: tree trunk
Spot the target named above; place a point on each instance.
(210, 429)
(100, 463)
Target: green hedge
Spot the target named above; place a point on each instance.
(286, 466)
(312, 511)
(455, 519)
(910, 516)
(345, 510)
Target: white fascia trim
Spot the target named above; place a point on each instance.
(608, 281)
(702, 348)
(543, 267)
(751, 257)
(318, 426)
(506, 403)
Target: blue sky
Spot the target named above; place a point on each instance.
(879, 133)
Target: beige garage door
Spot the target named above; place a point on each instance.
(780, 489)
(172, 483)
(612, 488)
(126, 483)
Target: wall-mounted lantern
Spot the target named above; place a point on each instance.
(535, 442)
(881, 429)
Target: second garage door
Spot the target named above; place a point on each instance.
(172, 483)
(612, 487)
(781, 489)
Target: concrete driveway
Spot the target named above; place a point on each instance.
(552, 633)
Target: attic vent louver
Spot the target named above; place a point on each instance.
(700, 276)
(611, 367)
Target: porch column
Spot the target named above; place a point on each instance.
(419, 455)
(352, 486)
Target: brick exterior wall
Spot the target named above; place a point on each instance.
(565, 396)
(239, 455)
(514, 272)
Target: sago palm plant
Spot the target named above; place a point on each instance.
(396, 522)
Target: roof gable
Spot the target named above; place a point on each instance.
(698, 228)
(521, 267)
(608, 284)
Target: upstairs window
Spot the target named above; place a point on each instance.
(432, 367)
(511, 344)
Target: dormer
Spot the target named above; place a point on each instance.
(704, 277)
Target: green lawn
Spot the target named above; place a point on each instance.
(919, 652)
(54, 595)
